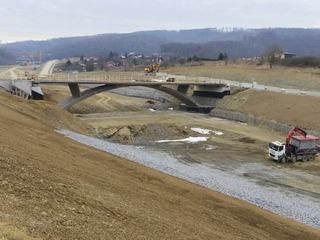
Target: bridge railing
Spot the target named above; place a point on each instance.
(125, 78)
(94, 78)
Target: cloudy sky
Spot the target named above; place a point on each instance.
(45, 19)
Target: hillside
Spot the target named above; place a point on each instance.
(55, 188)
(286, 109)
(6, 57)
(205, 43)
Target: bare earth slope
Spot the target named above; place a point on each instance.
(54, 188)
(303, 111)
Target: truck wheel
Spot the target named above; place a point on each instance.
(304, 158)
(311, 157)
(283, 160)
(293, 159)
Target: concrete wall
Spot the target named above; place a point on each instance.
(6, 84)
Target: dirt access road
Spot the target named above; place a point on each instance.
(55, 188)
(238, 147)
(129, 120)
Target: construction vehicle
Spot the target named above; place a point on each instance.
(302, 147)
(154, 68)
(30, 76)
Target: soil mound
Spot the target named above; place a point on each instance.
(44, 112)
(141, 134)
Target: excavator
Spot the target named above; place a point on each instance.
(30, 76)
(304, 147)
(153, 68)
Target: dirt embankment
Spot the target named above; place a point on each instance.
(54, 188)
(100, 103)
(294, 110)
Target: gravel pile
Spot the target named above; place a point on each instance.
(281, 201)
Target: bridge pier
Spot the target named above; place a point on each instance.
(75, 90)
(183, 88)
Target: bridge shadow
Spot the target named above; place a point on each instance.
(78, 96)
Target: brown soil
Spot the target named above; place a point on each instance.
(139, 134)
(55, 188)
(102, 102)
(295, 110)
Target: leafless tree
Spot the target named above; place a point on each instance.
(271, 54)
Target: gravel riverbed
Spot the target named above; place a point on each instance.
(304, 209)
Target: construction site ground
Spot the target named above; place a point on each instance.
(55, 188)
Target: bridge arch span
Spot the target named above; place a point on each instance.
(103, 88)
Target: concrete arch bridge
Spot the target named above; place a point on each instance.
(175, 87)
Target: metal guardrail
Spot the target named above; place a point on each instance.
(93, 78)
(118, 78)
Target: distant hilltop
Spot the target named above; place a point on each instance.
(204, 43)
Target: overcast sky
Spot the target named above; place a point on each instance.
(45, 19)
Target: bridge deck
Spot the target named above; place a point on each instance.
(133, 80)
(135, 83)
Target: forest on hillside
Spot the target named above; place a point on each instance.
(204, 43)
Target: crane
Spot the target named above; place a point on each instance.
(304, 147)
(292, 131)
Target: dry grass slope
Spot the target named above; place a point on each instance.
(306, 79)
(293, 110)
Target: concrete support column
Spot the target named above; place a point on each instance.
(75, 90)
(183, 89)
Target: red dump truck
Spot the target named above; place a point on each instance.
(302, 147)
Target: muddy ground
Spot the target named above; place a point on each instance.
(135, 121)
(141, 121)
(54, 188)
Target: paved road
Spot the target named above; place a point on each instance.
(47, 68)
(10, 73)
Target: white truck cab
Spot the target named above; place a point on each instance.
(277, 150)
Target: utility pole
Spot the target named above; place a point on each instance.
(40, 57)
